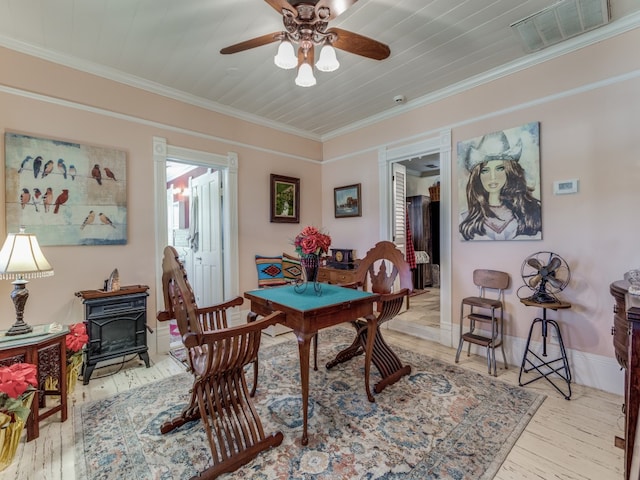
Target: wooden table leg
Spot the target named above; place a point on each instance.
(304, 346)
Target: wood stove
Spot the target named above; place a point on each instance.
(116, 324)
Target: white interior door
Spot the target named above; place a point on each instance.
(208, 282)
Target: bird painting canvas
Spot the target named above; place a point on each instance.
(65, 192)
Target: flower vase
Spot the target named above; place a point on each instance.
(11, 427)
(74, 365)
(310, 265)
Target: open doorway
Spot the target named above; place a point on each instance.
(194, 230)
(392, 220)
(422, 200)
(209, 195)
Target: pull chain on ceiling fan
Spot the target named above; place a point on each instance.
(305, 24)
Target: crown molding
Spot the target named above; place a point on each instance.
(147, 85)
(610, 30)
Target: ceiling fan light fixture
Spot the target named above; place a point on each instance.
(286, 57)
(328, 62)
(305, 76)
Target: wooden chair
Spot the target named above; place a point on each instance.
(217, 356)
(213, 317)
(379, 270)
(486, 308)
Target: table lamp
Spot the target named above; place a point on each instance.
(21, 259)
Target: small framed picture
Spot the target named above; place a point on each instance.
(285, 199)
(347, 201)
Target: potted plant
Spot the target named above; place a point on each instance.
(17, 386)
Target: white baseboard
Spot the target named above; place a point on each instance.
(587, 369)
(161, 337)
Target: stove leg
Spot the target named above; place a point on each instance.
(86, 373)
(144, 356)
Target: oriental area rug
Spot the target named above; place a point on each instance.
(440, 422)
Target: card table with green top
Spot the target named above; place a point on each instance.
(306, 313)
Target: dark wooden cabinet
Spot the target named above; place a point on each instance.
(424, 219)
(626, 342)
(48, 352)
(336, 276)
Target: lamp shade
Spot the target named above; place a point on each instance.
(328, 62)
(22, 258)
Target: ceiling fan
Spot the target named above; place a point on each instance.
(306, 24)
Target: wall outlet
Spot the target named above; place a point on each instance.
(553, 337)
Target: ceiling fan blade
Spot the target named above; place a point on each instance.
(336, 7)
(279, 5)
(535, 263)
(253, 43)
(359, 44)
(535, 281)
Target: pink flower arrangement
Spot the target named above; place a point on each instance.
(16, 380)
(312, 242)
(76, 338)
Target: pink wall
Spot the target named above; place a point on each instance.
(261, 151)
(588, 106)
(590, 135)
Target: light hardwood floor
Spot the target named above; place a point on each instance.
(566, 440)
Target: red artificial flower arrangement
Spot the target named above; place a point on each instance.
(15, 381)
(312, 242)
(76, 338)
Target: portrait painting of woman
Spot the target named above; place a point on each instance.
(499, 185)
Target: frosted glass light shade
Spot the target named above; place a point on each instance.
(286, 57)
(328, 62)
(305, 76)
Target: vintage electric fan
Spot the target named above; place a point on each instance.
(545, 273)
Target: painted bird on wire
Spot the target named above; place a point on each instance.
(36, 196)
(47, 200)
(62, 168)
(37, 163)
(48, 168)
(95, 173)
(24, 163)
(62, 198)
(72, 171)
(104, 219)
(25, 197)
(88, 220)
(110, 174)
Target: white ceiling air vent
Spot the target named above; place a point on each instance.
(561, 21)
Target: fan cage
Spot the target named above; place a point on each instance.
(550, 273)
